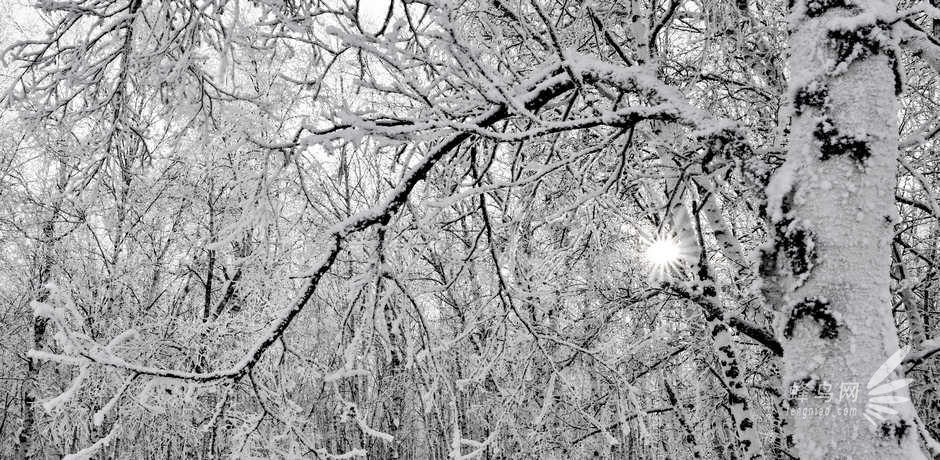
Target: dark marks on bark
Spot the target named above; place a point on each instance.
(818, 309)
(833, 144)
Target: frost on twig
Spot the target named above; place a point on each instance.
(90, 451)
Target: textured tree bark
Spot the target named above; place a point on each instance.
(396, 409)
(25, 447)
(25, 441)
(210, 264)
(832, 209)
(748, 439)
(936, 22)
(689, 430)
(689, 231)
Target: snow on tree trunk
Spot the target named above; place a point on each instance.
(832, 208)
(705, 293)
(694, 446)
(748, 441)
(45, 260)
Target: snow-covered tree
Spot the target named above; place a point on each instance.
(477, 229)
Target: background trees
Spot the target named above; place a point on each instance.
(418, 229)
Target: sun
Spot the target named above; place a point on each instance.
(665, 255)
(664, 251)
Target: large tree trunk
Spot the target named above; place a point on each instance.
(832, 208)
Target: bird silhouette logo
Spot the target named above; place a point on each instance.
(880, 396)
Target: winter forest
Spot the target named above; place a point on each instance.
(470, 229)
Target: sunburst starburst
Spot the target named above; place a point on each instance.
(665, 254)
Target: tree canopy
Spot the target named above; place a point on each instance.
(470, 229)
